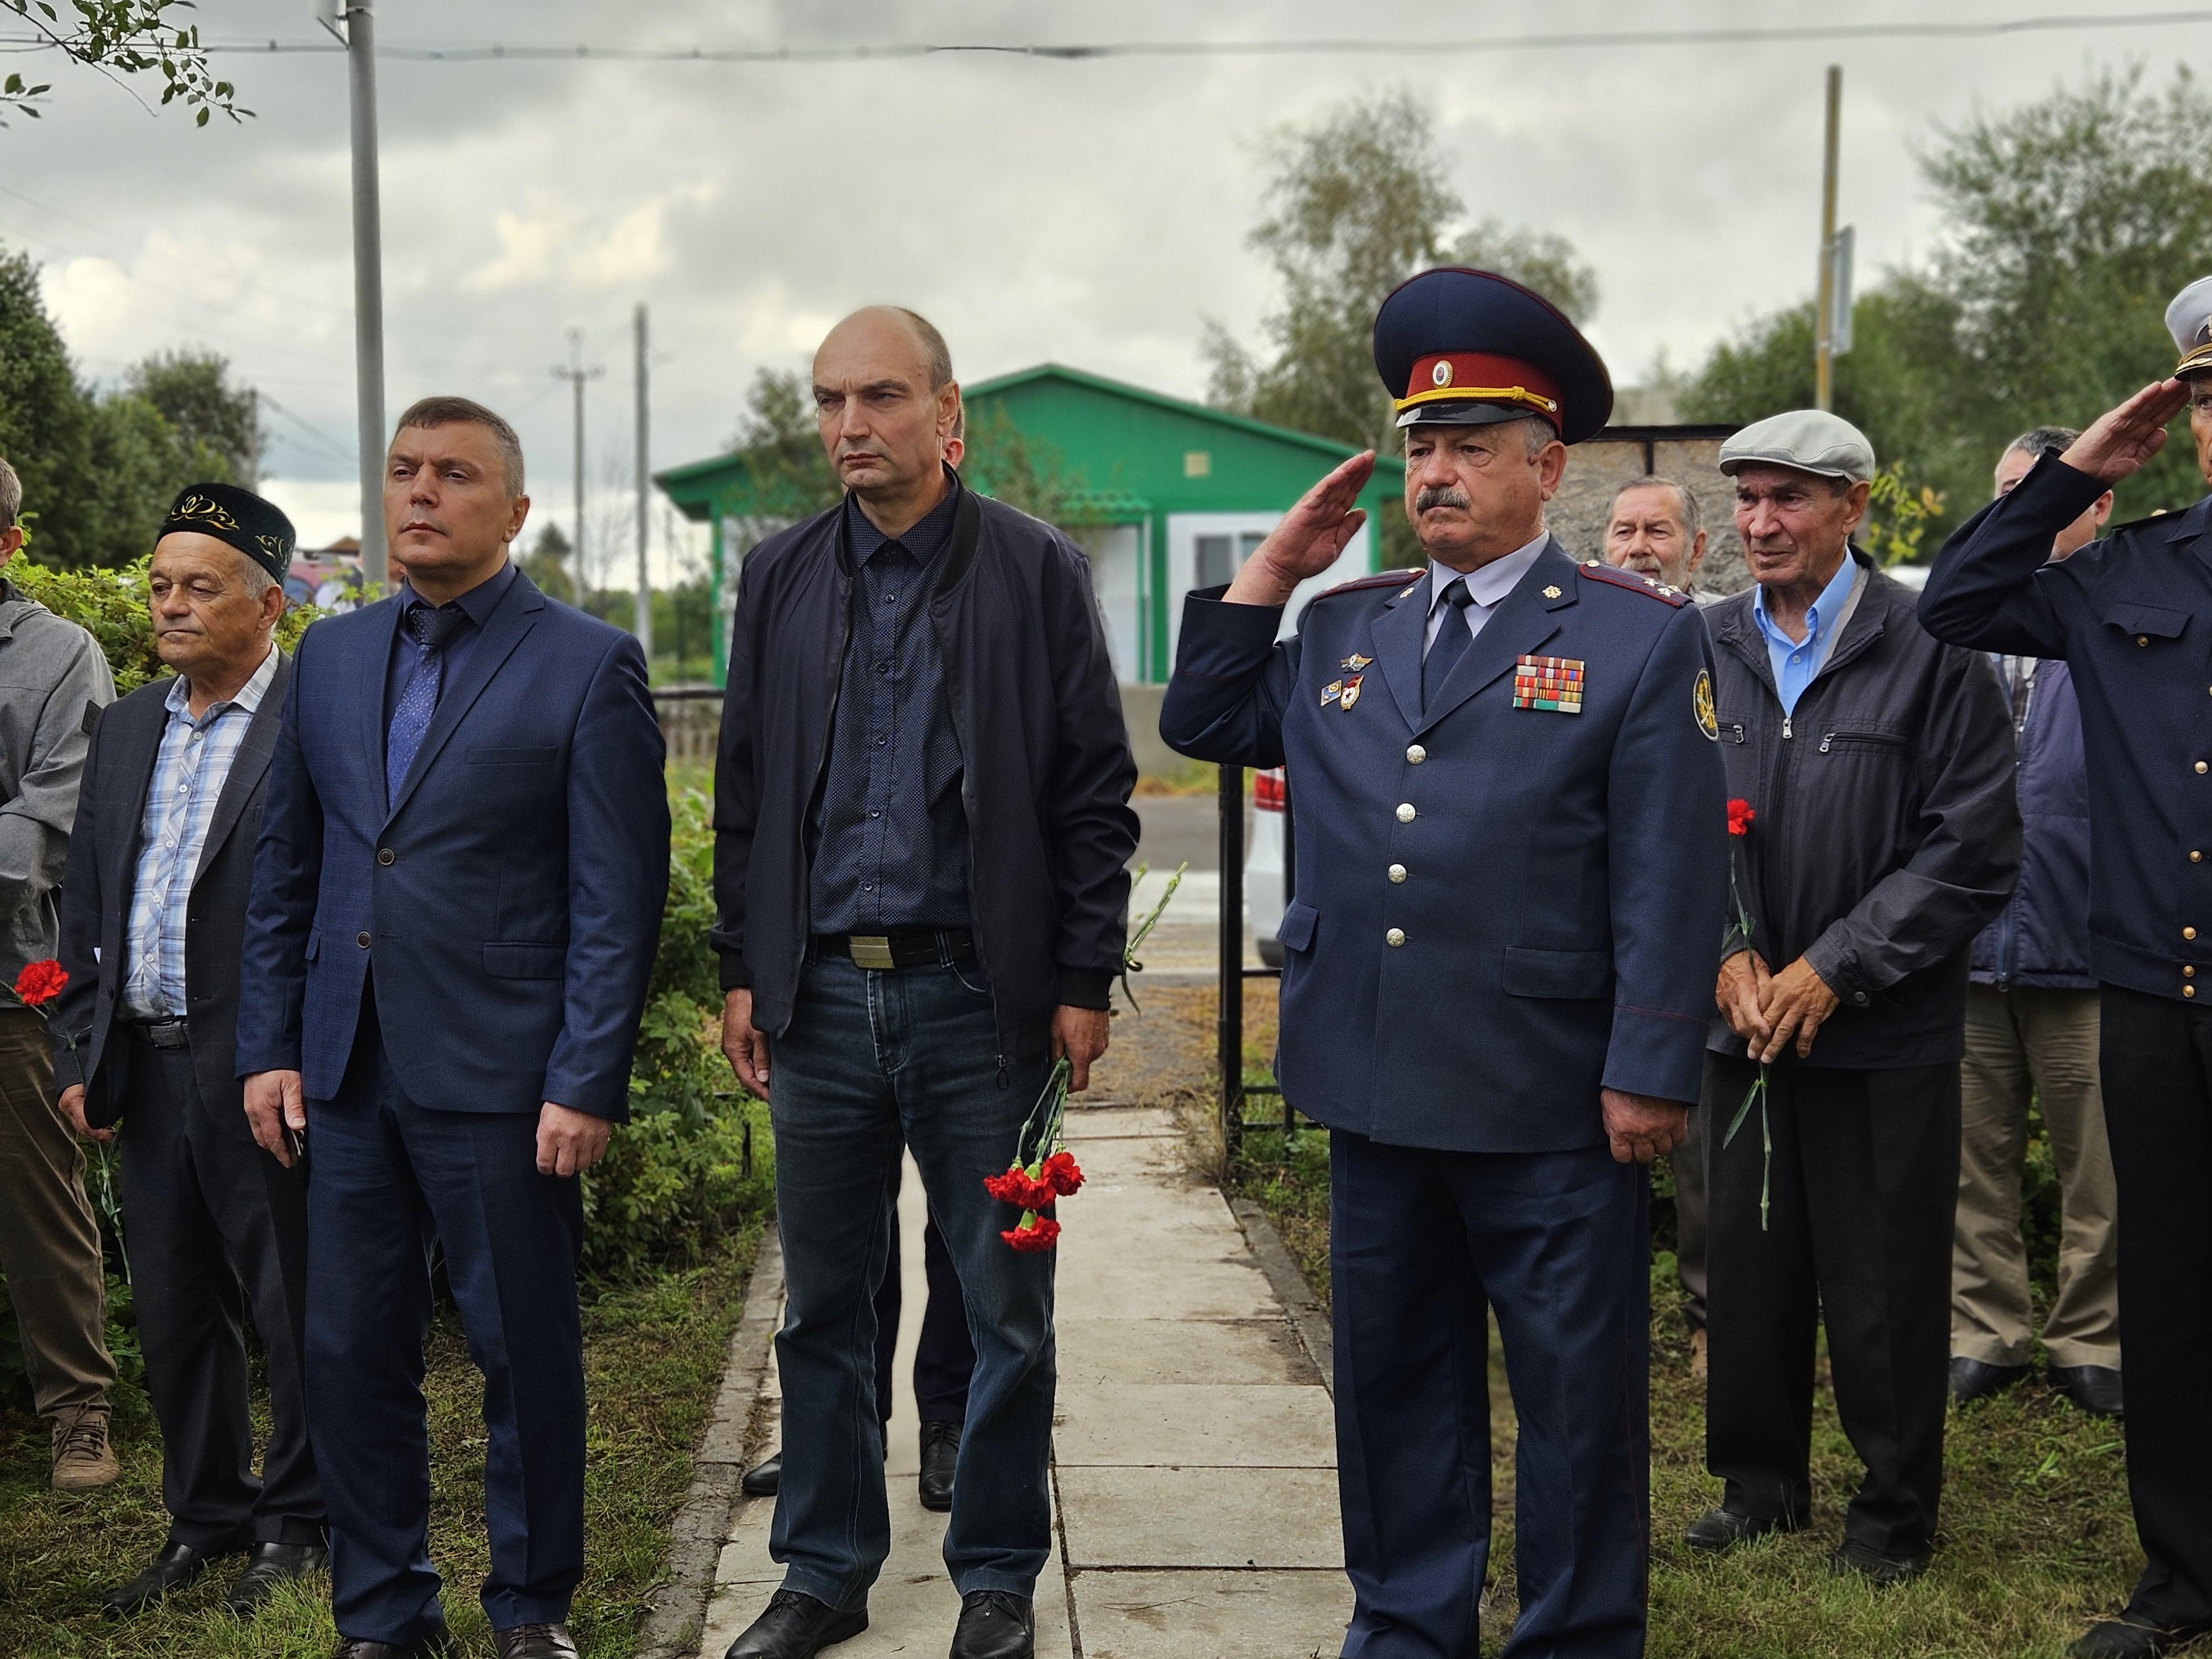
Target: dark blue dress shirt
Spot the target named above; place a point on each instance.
(889, 831)
(476, 605)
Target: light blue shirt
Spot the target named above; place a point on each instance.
(1489, 584)
(1795, 661)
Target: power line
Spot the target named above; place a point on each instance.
(893, 52)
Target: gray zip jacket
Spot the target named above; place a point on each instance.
(54, 681)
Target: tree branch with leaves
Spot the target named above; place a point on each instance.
(121, 38)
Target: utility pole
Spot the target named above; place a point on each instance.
(576, 374)
(1824, 307)
(644, 483)
(353, 22)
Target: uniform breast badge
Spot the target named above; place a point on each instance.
(1550, 683)
(1331, 692)
(1355, 662)
(1351, 691)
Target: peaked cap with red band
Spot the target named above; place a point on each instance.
(1467, 348)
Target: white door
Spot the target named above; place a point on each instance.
(1112, 551)
(1205, 550)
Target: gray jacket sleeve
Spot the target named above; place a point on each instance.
(34, 827)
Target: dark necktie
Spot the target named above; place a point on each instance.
(431, 630)
(1452, 640)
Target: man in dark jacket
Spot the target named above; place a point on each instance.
(2031, 1033)
(1877, 766)
(921, 825)
(153, 916)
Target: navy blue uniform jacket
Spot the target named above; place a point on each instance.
(1565, 874)
(509, 898)
(2132, 616)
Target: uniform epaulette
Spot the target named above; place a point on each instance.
(1598, 571)
(1380, 579)
(2138, 524)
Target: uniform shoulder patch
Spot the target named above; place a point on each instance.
(2144, 523)
(1359, 584)
(1598, 571)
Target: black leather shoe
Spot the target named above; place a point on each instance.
(535, 1642)
(1719, 1530)
(765, 1477)
(1879, 1569)
(795, 1625)
(2124, 1638)
(995, 1625)
(176, 1566)
(2093, 1389)
(1976, 1379)
(438, 1644)
(940, 1462)
(268, 1566)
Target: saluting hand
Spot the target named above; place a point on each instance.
(2121, 440)
(1309, 539)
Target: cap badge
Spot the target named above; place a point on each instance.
(1441, 374)
(1548, 683)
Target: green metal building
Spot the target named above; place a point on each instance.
(1164, 495)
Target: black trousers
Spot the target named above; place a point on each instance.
(214, 1227)
(944, 1358)
(2157, 1067)
(1861, 1196)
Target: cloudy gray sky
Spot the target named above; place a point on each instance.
(1094, 213)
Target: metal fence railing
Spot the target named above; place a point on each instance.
(1229, 1024)
(691, 718)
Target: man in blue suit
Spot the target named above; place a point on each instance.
(1511, 880)
(457, 896)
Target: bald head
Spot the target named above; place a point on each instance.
(887, 405)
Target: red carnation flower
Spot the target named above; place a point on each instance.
(1037, 1235)
(1019, 1189)
(1739, 817)
(40, 982)
(1061, 1174)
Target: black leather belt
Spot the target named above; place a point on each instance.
(913, 947)
(172, 1033)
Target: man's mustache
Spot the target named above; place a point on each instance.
(1442, 496)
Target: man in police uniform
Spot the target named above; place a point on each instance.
(2132, 616)
(1498, 966)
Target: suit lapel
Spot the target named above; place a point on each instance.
(1522, 621)
(1397, 633)
(247, 767)
(517, 615)
(136, 741)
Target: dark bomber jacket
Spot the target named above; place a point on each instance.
(1047, 768)
(1887, 832)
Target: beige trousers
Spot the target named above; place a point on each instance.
(49, 1242)
(2024, 1044)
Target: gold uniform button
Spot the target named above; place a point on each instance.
(2202, 766)
(2143, 639)
(2189, 933)
(2195, 856)
(2188, 971)
(1405, 812)
(2188, 990)
(1395, 938)
(1416, 755)
(1397, 872)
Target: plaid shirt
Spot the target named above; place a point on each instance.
(190, 769)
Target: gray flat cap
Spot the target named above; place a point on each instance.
(1810, 440)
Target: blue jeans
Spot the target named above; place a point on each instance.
(870, 1057)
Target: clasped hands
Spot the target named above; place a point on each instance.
(1766, 1010)
(568, 1142)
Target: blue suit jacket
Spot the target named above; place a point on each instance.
(509, 898)
(1565, 874)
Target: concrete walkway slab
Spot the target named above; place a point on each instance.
(1194, 1488)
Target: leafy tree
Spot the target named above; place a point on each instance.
(193, 391)
(100, 471)
(547, 564)
(123, 38)
(1540, 259)
(1027, 473)
(2069, 224)
(781, 447)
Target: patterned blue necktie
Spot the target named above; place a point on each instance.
(1451, 643)
(418, 699)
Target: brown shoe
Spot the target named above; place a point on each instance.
(83, 1461)
(1697, 1354)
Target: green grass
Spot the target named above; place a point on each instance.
(653, 1357)
(2035, 1539)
